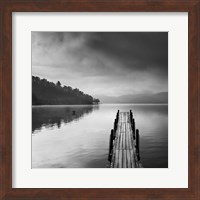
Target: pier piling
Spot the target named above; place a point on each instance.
(111, 145)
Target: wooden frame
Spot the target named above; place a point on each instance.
(9, 6)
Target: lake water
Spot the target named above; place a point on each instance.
(62, 138)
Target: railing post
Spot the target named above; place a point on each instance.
(117, 117)
(131, 115)
(137, 144)
(111, 145)
(115, 125)
(133, 127)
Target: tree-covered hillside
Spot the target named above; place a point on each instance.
(48, 93)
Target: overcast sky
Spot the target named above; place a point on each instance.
(103, 63)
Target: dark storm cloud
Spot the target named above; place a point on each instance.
(136, 51)
(106, 63)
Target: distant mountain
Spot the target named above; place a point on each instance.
(48, 93)
(161, 97)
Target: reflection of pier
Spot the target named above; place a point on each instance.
(124, 142)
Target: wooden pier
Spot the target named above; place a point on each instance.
(124, 142)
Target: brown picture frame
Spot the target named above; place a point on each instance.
(7, 7)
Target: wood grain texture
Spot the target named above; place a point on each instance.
(2, 147)
(9, 6)
(124, 152)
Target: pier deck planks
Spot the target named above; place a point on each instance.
(124, 152)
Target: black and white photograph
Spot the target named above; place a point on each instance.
(99, 99)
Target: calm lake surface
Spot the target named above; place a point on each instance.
(64, 139)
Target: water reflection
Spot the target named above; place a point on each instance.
(53, 116)
(80, 139)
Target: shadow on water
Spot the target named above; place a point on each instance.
(54, 116)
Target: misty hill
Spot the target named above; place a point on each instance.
(161, 97)
(48, 93)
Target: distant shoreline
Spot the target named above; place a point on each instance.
(71, 105)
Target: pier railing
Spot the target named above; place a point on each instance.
(124, 142)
